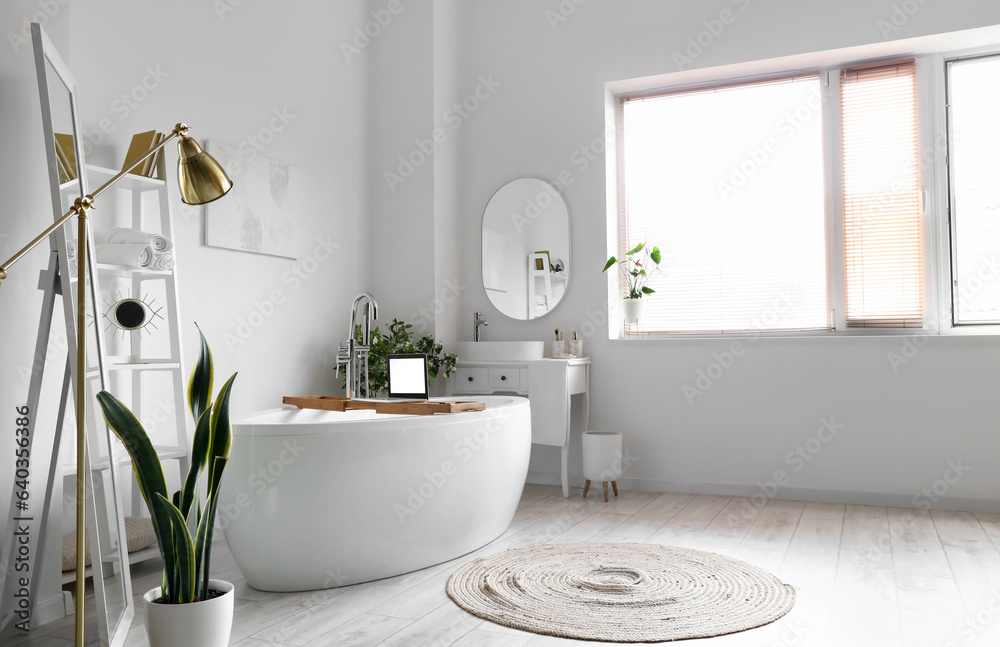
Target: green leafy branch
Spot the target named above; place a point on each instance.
(398, 340)
(638, 266)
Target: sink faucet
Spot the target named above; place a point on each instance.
(476, 323)
(351, 354)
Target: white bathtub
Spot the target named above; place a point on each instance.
(317, 499)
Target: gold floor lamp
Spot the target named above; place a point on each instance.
(201, 180)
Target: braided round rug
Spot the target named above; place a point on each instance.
(625, 592)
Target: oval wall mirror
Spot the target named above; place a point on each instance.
(526, 251)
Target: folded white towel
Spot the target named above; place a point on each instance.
(547, 388)
(162, 261)
(124, 235)
(135, 256)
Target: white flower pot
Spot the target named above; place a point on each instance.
(205, 624)
(632, 310)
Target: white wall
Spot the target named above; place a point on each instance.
(900, 429)
(227, 73)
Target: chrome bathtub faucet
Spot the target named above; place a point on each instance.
(351, 354)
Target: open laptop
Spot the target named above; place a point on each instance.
(407, 378)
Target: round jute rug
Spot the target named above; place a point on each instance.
(619, 592)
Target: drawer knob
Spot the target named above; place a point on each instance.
(503, 378)
(470, 378)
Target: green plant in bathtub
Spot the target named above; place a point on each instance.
(400, 339)
(182, 522)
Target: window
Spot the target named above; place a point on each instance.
(728, 183)
(974, 152)
(733, 184)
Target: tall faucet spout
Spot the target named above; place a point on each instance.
(355, 354)
(370, 312)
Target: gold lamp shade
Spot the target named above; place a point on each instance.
(201, 179)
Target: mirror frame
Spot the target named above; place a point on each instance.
(115, 634)
(569, 247)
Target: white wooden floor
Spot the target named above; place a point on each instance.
(866, 576)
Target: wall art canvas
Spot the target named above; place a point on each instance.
(262, 212)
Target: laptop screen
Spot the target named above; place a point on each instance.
(408, 376)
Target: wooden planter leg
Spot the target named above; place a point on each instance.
(586, 486)
(605, 491)
(614, 486)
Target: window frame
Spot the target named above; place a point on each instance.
(950, 234)
(933, 132)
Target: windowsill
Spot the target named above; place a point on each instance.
(967, 332)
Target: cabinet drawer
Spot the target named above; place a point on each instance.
(507, 379)
(471, 380)
(577, 379)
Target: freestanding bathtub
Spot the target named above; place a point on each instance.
(316, 499)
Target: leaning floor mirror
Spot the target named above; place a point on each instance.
(108, 570)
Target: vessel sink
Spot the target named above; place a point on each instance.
(499, 351)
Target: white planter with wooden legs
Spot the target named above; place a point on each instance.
(632, 310)
(602, 459)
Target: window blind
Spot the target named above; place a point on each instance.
(881, 196)
(729, 183)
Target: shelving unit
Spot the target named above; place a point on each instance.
(129, 358)
(544, 295)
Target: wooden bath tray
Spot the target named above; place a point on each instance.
(404, 407)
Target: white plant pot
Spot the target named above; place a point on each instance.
(632, 310)
(205, 624)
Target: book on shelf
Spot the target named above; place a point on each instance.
(149, 168)
(141, 143)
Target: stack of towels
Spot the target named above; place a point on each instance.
(137, 249)
(71, 252)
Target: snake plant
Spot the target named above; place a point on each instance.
(182, 522)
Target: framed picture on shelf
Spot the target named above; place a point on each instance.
(539, 265)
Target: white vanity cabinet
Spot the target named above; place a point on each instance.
(491, 377)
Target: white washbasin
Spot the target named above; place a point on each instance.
(498, 351)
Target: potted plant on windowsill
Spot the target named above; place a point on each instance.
(189, 608)
(639, 264)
